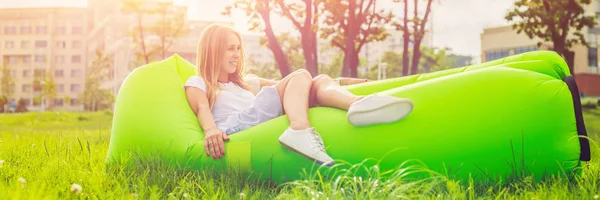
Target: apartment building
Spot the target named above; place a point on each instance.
(35, 42)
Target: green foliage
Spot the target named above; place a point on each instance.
(556, 21)
(6, 81)
(432, 59)
(154, 40)
(93, 97)
(51, 151)
(263, 70)
(348, 23)
(44, 86)
(334, 69)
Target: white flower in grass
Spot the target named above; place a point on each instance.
(1, 163)
(134, 195)
(242, 195)
(22, 181)
(185, 195)
(76, 188)
(596, 196)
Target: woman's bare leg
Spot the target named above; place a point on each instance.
(327, 92)
(295, 103)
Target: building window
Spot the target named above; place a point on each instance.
(10, 30)
(58, 101)
(525, 49)
(41, 44)
(27, 101)
(40, 58)
(75, 87)
(76, 59)
(75, 73)
(40, 30)
(593, 57)
(61, 44)
(592, 40)
(76, 30)
(26, 88)
(26, 73)
(593, 70)
(27, 59)
(13, 73)
(60, 88)
(39, 73)
(495, 54)
(76, 44)
(13, 59)
(58, 73)
(9, 44)
(59, 59)
(74, 101)
(25, 30)
(25, 44)
(61, 30)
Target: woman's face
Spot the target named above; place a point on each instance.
(231, 55)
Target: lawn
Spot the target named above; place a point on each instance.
(60, 155)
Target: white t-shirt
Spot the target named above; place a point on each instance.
(230, 98)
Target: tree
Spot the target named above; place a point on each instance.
(21, 107)
(333, 69)
(45, 87)
(418, 33)
(169, 26)
(305, 18)
(433, 59)
(259, 12)
(556, 21)
(405, 40)
(6, 84)
(93, 97)
(349, 25)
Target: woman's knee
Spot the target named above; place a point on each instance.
(300, 76)
(321, 79)
(303, 75)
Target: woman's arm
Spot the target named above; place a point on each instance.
(350, 81)
(199, 103)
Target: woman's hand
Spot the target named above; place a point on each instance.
(214, 143)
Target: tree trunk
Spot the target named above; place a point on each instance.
(570, 58)
(416, 57)
(309, 50)
(405, 40)
(282, 62)
(143, 43)
(309, 40)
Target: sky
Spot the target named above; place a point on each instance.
(456, 23)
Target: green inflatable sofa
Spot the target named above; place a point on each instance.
(517, 114)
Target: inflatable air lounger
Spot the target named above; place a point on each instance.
(492, 120)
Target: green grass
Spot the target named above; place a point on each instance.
(53, 151)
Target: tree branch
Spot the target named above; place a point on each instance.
(550, 22)
(364, 39)
(286, 12)
(422, 28)
(564, 22)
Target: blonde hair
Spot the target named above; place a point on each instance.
(211, 48)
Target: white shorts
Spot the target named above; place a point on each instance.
(265, 107)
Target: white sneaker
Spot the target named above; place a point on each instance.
(378, 109)
(307, 143)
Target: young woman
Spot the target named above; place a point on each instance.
(226, 102)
